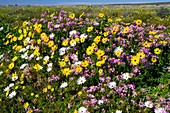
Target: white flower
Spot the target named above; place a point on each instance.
(11, 84)
(118, 49)
(28, 46)
(23, 66)
(73, 32)
(7, 88)
(77, 63)
(12, 94)
(1, 28)
(52, 35)
(83, 36)
(62, 51)
(100, 102)
(24, 56)
(149, 104)
(50, 65)
(74, 57)
(118, 111)
(126, 76)
(73, 44)
(28, 40)
(22, 50)
(81, 80)
(46, 58)
(14, 78)
(82, 110)
(31, 56)
(57, 26)
(38, 58)
(112, 85)
(1, 56)
(160, 110)
(64, 84)
(1, 72)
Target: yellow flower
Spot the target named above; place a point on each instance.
(26, 105)
(11, 66)
(81, 14)
(14, 38)
(37, 67)
(89, 50)
(97, 39)
(19, 31)
(44, 90)
(141, 55)
(30, 111)
(135, 60)
(138, 22)
(46, 39)
(99, 64)
(65, 43)
(66, 71)
(78, 69)
(82, 40)
(62, 64)
(54, 48)
(36, 95)
(50, 43)
(153, 59)
(20, 37)
(89, 29)
(77, 39)
(100, 71)
(72, 15)
(126, 30)
(106, 34)
(101, 15)
(104, 40)
(75, 111)
(146, 44)
(85, 63)
(157, 51)
(110, 20)
(52, 89)
(32, 94)
(80, 93)
(49, 86)
(100, 53)
(117, 53)
(152, 32)
(15, 58)
(118, 19)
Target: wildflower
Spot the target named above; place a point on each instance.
(78, 69)
(82, 110)
(135, 60)
(100, 102)
(50, 43)
(14, 76)
(126, 76)
(72, 15)
(100, 53)
(99, 63)
(89, 50)
(64, 84)
(138, 22)
(118, 111)
(126, 30)
(118, 51)
(149, 104)
(101, 15)
(81, 80)
(11, 66)
(82, 40)
(153, 59)
(157, 51)
(62, 51)
(62, 63)
(146, 44)
(66, 71)
(110, 20)
(65, 43)
(50, 67)
(97, 39)
(141, 55)
(1, 28)
(7, 88)
(11, 85)
(73, 32)
(112, 85)
(89, 29)
(56, 25)
(104, 40)
(1, 72)
(12, 94)
(37, 67)
(73, 42)
(85, 63)
(26, 105)
(45, 90)
(160, 110)
(80, 93)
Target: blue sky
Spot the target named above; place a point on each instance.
(71, 2)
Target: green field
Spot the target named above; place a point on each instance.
(85, 59)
